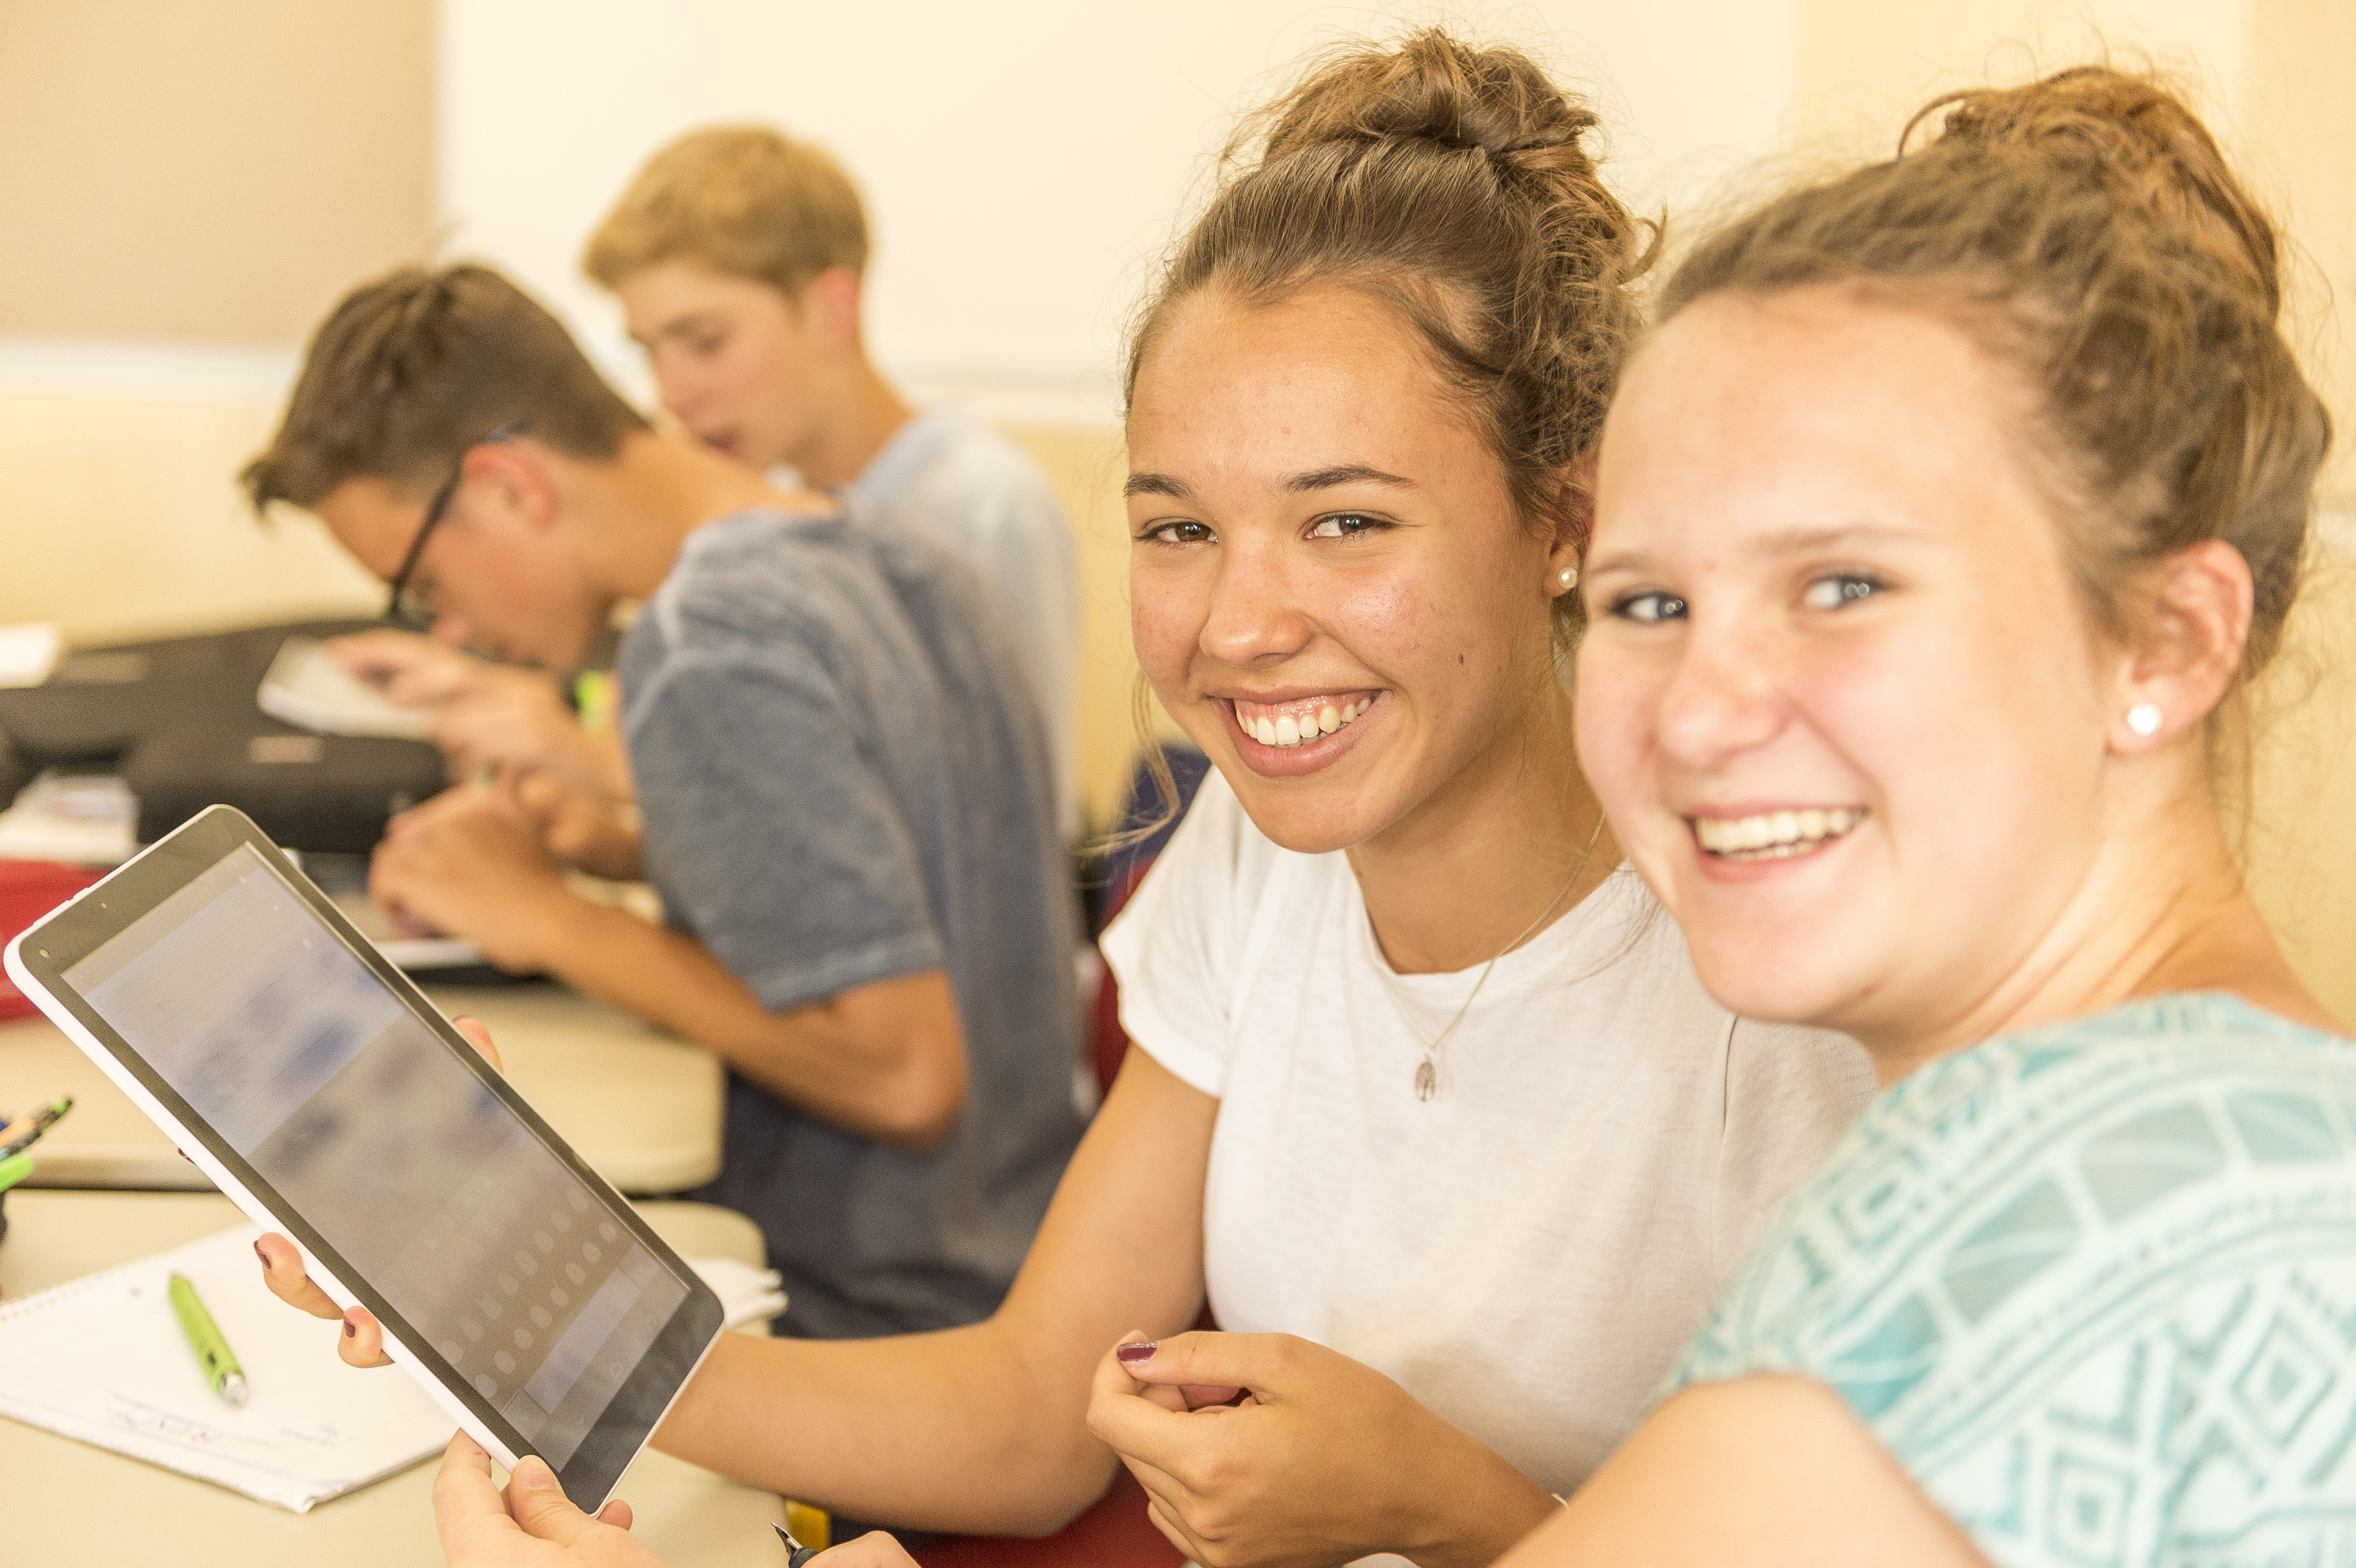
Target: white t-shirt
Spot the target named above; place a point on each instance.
(1527, 1251)
(947, 475)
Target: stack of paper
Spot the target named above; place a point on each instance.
(307, 685)
(29, 653)
(103, 1359)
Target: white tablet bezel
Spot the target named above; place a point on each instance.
(198, 1141)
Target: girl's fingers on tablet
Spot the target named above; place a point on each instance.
(282, 1270)
(479, 1038)
(362, 1344)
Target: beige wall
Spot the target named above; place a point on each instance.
(221, 171)
(211, 170)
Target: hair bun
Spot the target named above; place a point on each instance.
(2141, 141)
(1429, 87)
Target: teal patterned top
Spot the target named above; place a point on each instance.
(2093, 1285)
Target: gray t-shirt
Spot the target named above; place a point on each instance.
(947, 475)
(843, 779)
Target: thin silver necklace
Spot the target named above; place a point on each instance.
(1427, 1072)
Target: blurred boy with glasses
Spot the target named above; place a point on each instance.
(842, 786)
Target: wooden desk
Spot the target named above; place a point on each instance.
(642, 1107)
(69, 1503)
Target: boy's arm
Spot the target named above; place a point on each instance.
(885, 1059)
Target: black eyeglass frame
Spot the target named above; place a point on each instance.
(434, 509)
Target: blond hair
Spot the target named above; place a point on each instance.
(739, 199)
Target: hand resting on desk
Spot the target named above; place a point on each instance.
(463, 864)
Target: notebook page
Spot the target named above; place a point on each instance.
(102, 1359)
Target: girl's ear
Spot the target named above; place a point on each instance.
(1574, 523)
(2186, 647)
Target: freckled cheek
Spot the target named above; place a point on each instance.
(1392, 631)
(1166, 616)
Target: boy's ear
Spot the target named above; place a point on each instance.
(515, 479)
(830, 308)
(2186, 646)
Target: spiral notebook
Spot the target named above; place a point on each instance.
(103, 1359)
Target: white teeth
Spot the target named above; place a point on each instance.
(1287, 730)
(1774, 835)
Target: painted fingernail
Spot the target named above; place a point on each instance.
(1132, 1354)
(352, 1330)
(263, 1255)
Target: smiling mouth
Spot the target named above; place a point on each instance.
(1774, 835)
(1284, 725)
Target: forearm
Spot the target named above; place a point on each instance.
(943, 1431)
(1477, 1513)
(866, 1085)
(982, 1429)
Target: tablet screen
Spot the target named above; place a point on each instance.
(494, 1251)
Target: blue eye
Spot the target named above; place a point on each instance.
(1649, 607)
(1831, 593)
(1342, 525)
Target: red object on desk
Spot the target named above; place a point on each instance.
(1115, 1534)
(29, 889)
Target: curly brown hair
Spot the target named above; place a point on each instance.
(1451, 182)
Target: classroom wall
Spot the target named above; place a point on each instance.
(217, 171)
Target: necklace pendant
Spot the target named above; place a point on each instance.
(1427, 1080)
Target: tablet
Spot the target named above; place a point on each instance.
(322, 1092)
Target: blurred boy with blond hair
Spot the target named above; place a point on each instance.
(739, 257)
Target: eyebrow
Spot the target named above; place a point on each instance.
(1156, 485)
(1345, 473)
(1805, 541)
(1316, 479)
(1783, 542)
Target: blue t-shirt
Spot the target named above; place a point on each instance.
(2093, 1285)
(844, 779)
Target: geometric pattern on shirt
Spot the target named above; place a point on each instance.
(2093, 1285)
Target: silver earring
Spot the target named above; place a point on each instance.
(2144, 720)
(1569, 575)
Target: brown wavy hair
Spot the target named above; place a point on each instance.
(1452, 183)
(2088, 234)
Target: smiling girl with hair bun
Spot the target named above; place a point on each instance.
(1949, 506)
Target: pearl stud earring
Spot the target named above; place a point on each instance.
(2144, 720)
(1569, 576)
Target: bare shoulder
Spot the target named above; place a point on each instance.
(1765, 1469)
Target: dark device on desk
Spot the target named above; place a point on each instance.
(315, 1084)
(178, 719)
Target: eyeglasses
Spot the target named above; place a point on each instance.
(414, 606)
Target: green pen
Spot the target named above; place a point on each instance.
(205, 1338)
